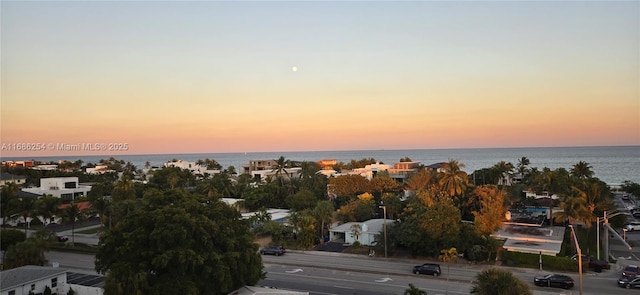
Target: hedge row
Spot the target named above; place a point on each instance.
(559, 263)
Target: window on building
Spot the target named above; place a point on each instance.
(33, 287)
(70, 184)
(54, 282)
(12, 292)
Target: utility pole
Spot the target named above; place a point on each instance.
(384, 212)
(575, 239)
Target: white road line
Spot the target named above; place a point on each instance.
(343, 287)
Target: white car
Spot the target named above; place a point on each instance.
(635, 225)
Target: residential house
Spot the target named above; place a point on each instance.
(66, 188)
(32, 279)
(10, 178)
(363, 232)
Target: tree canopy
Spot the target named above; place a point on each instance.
(178, 243)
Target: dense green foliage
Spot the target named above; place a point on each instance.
(10, 237)
(555, 263)
(495, 281)
(175, 242)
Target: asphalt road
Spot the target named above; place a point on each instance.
(324, 273)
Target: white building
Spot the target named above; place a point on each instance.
(66, 188)
(99, 169)
(363, 232)
(10, 178)
(191, 166)
(32, 279)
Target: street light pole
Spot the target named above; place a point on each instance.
(575, 239)
(384, 217)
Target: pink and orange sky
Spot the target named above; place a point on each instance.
(215, 77)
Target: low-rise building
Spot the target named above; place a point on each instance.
(363, 232)
(6, 178)
(66, 188)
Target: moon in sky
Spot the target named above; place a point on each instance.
(295, 69)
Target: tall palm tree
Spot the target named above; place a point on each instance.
(522, 166)
(448, 256)
(71, 214)
(582, 170)
(574, 208)
(324, 213)
(47, 207)
(453, 180)
(502, 169)
(26, 208)
(9, 201)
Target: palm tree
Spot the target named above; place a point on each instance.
(574, 208)
(356, 231)
(324, 213)
(502, 170)
(448, 256)
(123, 189)
(582, 170)
(522, 166)
(26, 208)
(281, 167)
(47, 206)
(453, 180)
(71, 214)
(9, 201)
(413, 290)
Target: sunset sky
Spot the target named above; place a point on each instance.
(215, 77)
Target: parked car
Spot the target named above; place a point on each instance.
(629, 283)
(625, 197)
(554, 280)
(636, 214)
(273, 250)
(634, 225)
(427, 269)
(62, 238)
(630, 271)
(597, 265)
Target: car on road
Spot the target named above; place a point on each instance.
(634, 225)
(630, 271)
(629, 283)
(427, 269)
(625, 197)
(62, 238)
(273, 250)
(554, 280)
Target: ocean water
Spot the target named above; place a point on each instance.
(612, 165)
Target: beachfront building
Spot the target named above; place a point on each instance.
(261, 169)
(10, 178)
(195, 168)
(66, 188)
(99, 169)
(258, 165)
(401, 170)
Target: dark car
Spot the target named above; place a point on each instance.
(273, 250)
(554, 280)
(630, 271)
(427, 269)
(62, 238)
(629, 283)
